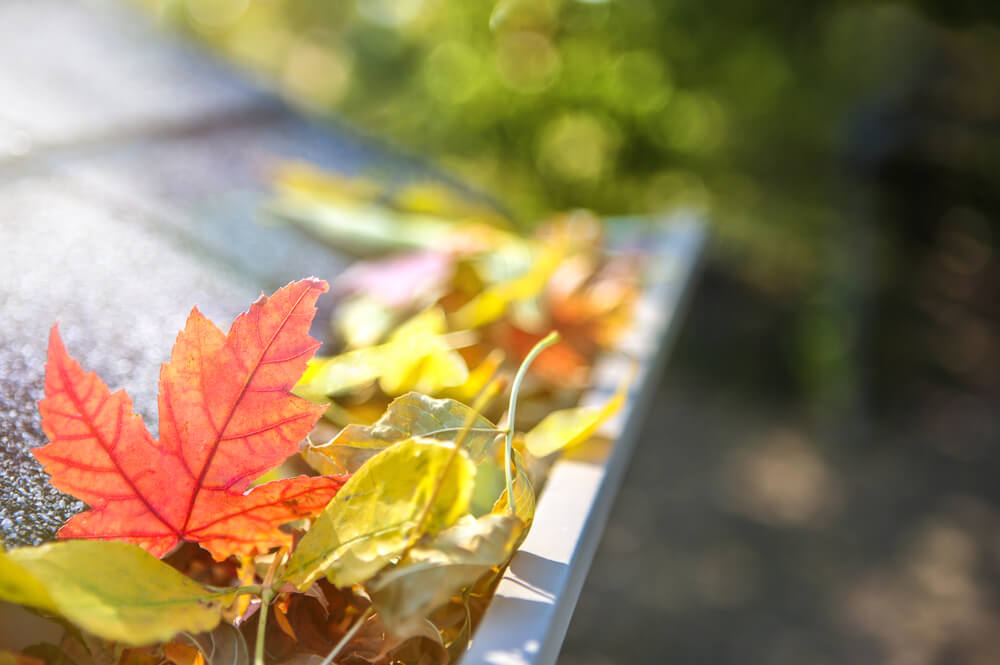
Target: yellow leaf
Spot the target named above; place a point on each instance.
(478, 378)
(110, 589)
(327, 376)
(568, 427)
(182, 654)
(363, 322)
(415, 487)
(416, 357)
(421, 360)
(493, 301)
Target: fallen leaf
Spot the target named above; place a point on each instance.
(363, 322)
(435, 571)
(113, 590)
(430, 365)
(400, 281)
(561, 365)
(414, 487)
(52, 654)
(493, 301)
(410, 415)
(11, 658)
(417, 356)
(183, 654)
(226, 417)
(224, 645)
(478, 379)
(524, 493)
(569, 427)
(361, 228)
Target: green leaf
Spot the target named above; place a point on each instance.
(490, 484)
(415, 487)
(433, 573)
(408, 416)
(363, 229)
(114, 590)
(568, 427)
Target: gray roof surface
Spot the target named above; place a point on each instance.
(131, 172)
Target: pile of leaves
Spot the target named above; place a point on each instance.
(225, 540)
(454, 296)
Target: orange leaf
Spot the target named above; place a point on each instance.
(226, 417)
(183, 654)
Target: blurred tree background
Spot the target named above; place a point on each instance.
(821, 477)
(813, 134)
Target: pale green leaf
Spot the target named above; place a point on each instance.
(433, 572)
(415, 487)
(110, 589)
(364, 229)
(410, 415)
(490, 484)
(363, 321)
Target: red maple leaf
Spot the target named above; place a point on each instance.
(226, 417)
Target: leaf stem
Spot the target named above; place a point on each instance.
(266, 595)
(348, 636)
(265, 602)
(545, 343)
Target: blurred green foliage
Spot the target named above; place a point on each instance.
(618, 106)
(762, 113)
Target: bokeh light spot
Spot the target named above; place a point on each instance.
(577, 147)
(316, 74)
(527, 61)
(453, 72)
(215, 14)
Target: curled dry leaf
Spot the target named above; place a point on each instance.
(432, 573)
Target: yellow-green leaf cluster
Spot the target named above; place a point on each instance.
(416, 356)
(417, 486)
(110, 589)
